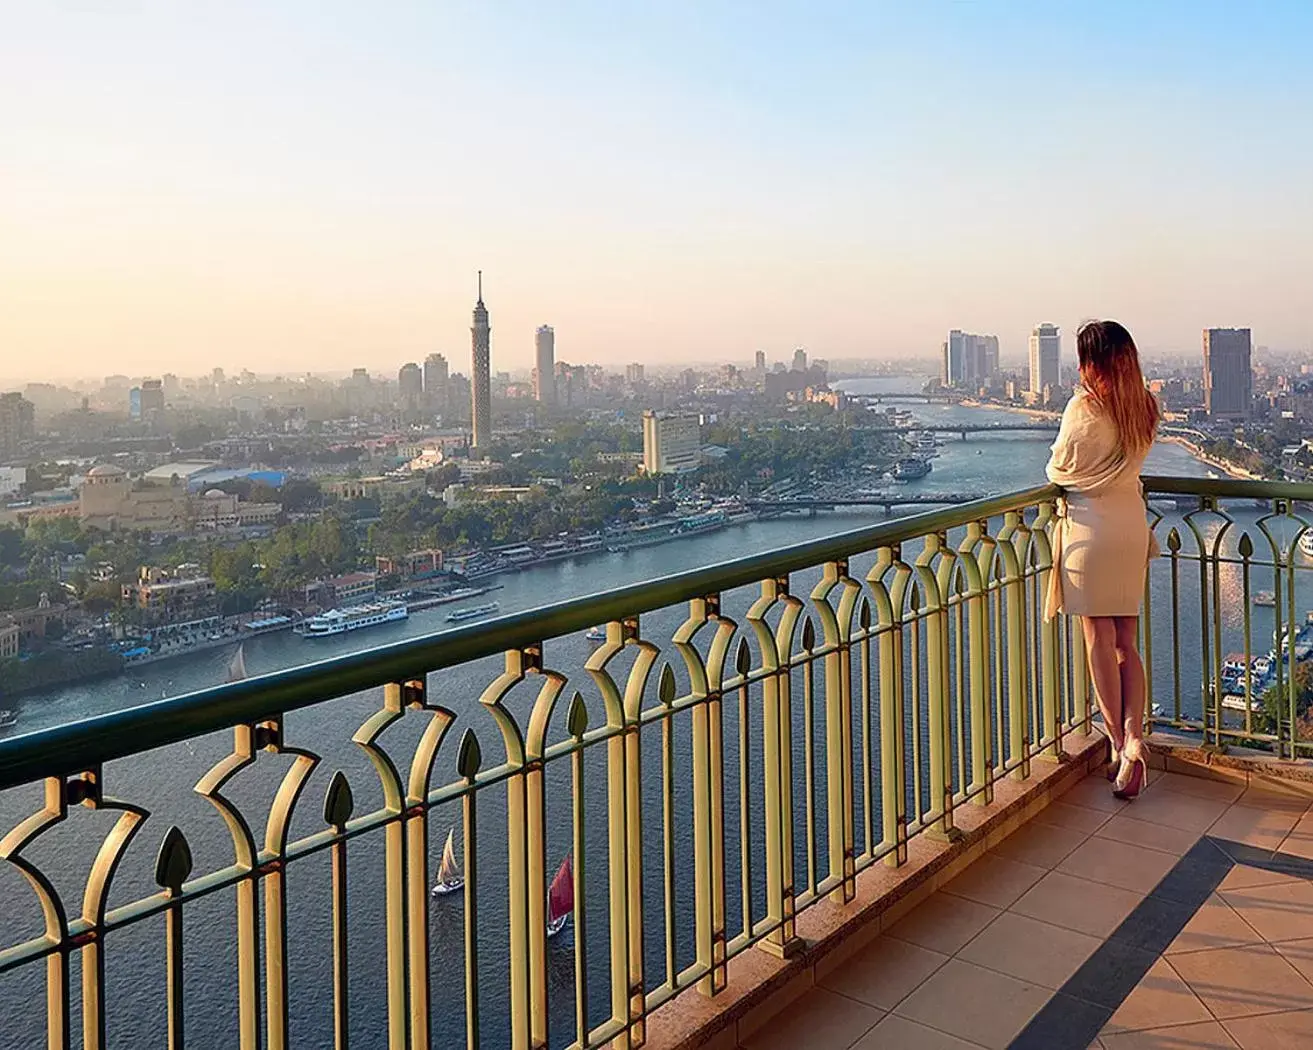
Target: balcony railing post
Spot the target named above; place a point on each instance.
(976, 553)
(838, 722)
(1050, 730)
(1014, 645)
(777, 763)
(937, 686)
(888, 599)
(708, 789)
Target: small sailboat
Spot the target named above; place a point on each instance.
(449, 877)
(560, 898)
(237, 665)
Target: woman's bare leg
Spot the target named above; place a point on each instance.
(1132, 682)
(1101, 650)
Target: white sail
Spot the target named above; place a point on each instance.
(449, 874)
(237, 665)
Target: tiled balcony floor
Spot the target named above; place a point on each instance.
(1181, 920)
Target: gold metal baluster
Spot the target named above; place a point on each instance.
(468, 761)
(918, 805)
(937, 686)
(868, 792)
(338, 805)
(777, 766)
(172, 868)
(666, 694)
(1018, 755)
(577, 724)
(809, 748)
(743, 665)
(1174, 554)
(246, 741)
(269, 736)
(1246, 553)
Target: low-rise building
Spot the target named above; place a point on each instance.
(9, 634)
(164, 597)
(412, 565)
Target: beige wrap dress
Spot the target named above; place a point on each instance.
(1101, 541)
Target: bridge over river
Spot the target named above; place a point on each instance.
(1041, 427)
(810, 505)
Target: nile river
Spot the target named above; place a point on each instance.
(164, 781)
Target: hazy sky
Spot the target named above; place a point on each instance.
(311, 185)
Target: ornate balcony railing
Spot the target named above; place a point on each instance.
(746, 740)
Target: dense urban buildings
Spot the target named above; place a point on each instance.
(1045, 358)
(481, 375)
(1228, 377)
(544, 371)
(672, 444)
(800, 359)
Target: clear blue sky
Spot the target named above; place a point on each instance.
(312, 184)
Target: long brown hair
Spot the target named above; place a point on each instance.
(1110, 371)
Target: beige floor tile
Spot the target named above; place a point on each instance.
(1078, 818)
(1077, 904)
(820, 1020)
(1174, 809)
(1042, 845)
(1161, 998)
(1299, 843)
(995, 881)
(1094, 792)
(943, 923)
(884, 972)
(1264, 828)
(1238, 982)
(898, 1033)
(1243, 877)
(1215, 925)
(1125, 828)
(1029, 949)
(1280, 912)
(1284, 1031)
(1209, 1035)
(1273, 796)
(973, 1003)
(1300, 955)
(1118, 864)
(1199, 787)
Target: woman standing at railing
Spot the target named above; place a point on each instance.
(1102, 542)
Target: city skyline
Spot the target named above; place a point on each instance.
(157, 219)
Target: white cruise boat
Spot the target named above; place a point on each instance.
(352, 618)
(1306, 542)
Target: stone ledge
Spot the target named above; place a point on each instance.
(760, 985)
(1184, 753)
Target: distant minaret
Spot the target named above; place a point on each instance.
(481, 386)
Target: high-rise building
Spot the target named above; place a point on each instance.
(435, 382)
(969, 359)
(759, 363)
(152, 398)
(17, 422)
(544, 371)
(410, 385)
(671, 444)
(634, 374)
(1228, 380)
(799, 359)
(1045, 357)
(481, 378)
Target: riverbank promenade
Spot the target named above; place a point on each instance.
(846, 793)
